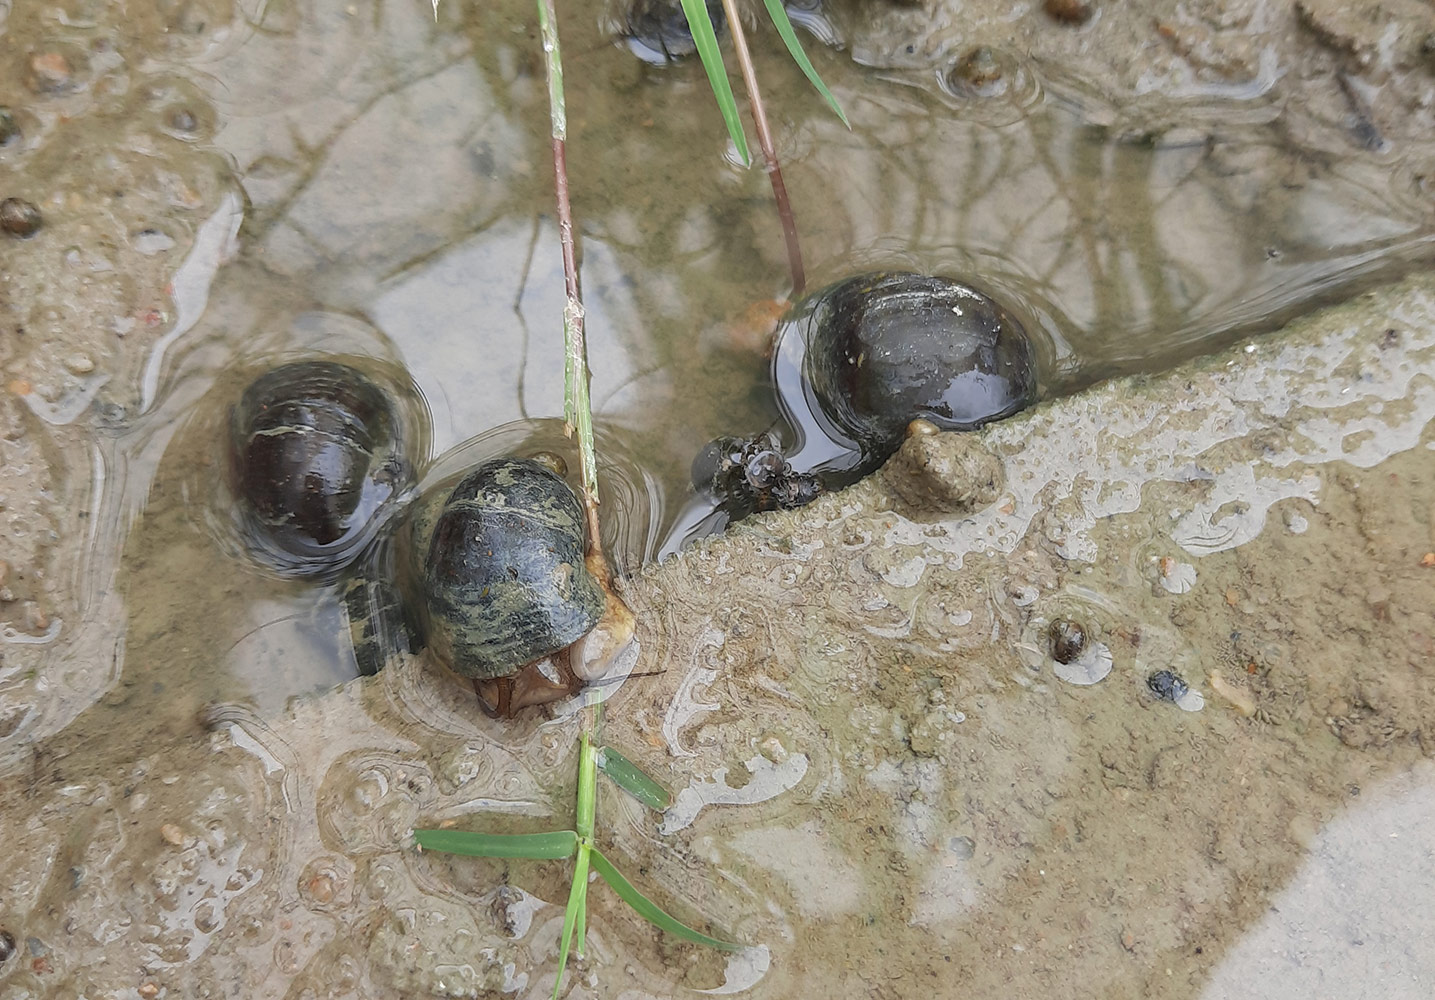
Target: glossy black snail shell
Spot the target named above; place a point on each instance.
(657, 32)
(498, 563)
(316, 451)
(886, 348)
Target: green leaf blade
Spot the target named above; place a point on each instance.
(531, 846)
(780, 21)
(650, 911)
(574, 913)
(633, 780)
(705, 40)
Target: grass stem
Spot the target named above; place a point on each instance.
(577, 407)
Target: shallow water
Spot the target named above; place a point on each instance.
(362, 180)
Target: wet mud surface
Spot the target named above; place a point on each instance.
(885, 781)
(882, 778)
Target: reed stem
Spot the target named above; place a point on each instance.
(577, 407)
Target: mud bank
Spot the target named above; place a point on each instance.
(885, 783)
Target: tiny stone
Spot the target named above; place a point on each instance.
(19, 218)
(183, 120)
(321, 888)
(172, 834)
(945, 473)
(50, 72)
(979, 68)
(1070, 11)
(79, 364)
(149, 991)
(962, 847)
(151, 241)
(35, 618)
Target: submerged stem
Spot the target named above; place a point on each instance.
(769, 152)
(577, 408)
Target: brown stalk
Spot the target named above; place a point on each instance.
(769, 152)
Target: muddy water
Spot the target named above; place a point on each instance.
(225, 186)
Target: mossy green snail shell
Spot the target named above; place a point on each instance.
(499, 568)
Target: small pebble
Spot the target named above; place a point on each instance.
(172, 834)
(19, 218)
(183, 120)
(50, 73)
(79, 364)
(321, 888)
(151, 241)
(1428, 560)
(35, 618)
(9, 127)
(7, 945)
(149, 991)
(979, 68)
(1167, 686)
(1070, 11)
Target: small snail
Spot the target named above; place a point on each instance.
(884, 349)
(502, 589)
(316, 451)
(748, 475)
(1067, 638)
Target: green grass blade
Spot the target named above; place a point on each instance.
(650, 911)
(631, 779)
(587, 787)
(577, 904)
(580, 926)
(534, 846)
(778, 13)
(705, 38)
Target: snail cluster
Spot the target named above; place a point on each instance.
(493, 570)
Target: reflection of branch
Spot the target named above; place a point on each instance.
(769, 152)
(316, 152)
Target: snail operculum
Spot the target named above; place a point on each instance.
(316, 451)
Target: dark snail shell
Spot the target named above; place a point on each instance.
(499, 569)
(316, 452)
(656, 31)
(886, 348)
